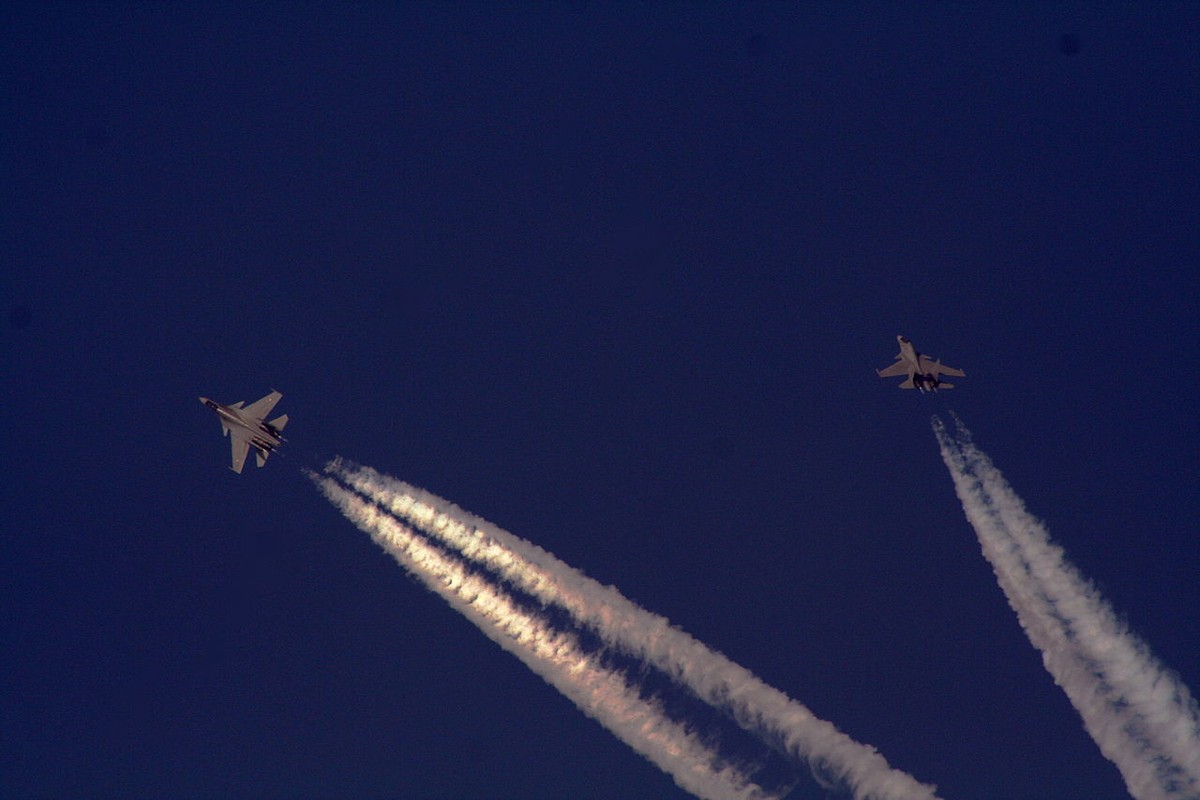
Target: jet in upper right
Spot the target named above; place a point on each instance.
(923, 372)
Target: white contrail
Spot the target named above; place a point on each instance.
(1138, 712)
(556, 656)
(622, 624)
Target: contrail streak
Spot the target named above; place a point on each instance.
(620, 623)
(556, 656)
(1138, 712)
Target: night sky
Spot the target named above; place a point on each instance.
(615, 277)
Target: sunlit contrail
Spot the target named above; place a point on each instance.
(1138, 712)
(555, 655)
(623, 624)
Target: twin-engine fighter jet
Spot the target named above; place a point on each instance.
(923, 372)
(245, 427)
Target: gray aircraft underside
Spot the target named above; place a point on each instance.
(246, 428)
(922, 372)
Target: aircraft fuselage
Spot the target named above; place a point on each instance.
(923, 372)
(263, 435)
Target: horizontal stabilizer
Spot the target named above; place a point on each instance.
(261, 457)
(943, 385)
(278, 422)
(908, 384)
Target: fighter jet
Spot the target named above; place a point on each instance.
(245, 427)
(923, 372)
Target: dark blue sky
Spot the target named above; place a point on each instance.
(615, 278)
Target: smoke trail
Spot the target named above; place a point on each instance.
(620, 623)
(554, 655)
(1138, 712)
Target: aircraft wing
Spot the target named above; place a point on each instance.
(942, 368)
(894, 371)
(933, 367)
(260, 408)
(240, 439)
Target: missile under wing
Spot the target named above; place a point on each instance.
(246, 427)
